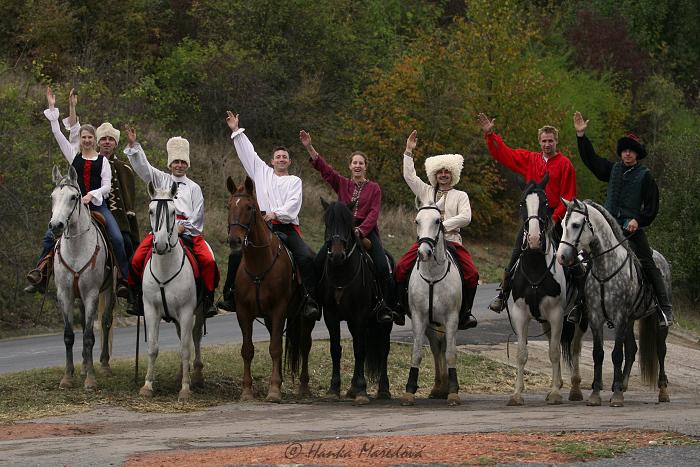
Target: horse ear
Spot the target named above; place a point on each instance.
(173, 190)
(566, 203)
(324, 203)
(249, 185)
(151, 189)
(56, 175)
(73, 175)
(230, 185)
(544, 181)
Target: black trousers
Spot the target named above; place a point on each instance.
(640, 245)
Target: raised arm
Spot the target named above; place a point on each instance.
(52, 115)
(254, 166)
(600, 166)
(417, 186)
(329, 174)
(140, 164)
(72, 123)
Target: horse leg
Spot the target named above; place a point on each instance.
(68, 340)
(617, 399)
(554, 397)
(450, 355)
(575, 393)
(333, 326)
(437, 347)
(89, 341)
(197, 377)
(359, 346)
(247, 353)
(630, 354)
(383, 391)
(419, 325)
(305, 344)
(661, 334)
(274, 393)
(520, 323)
(152, 320)
(598, 356)
(186, 345)
(105, 316)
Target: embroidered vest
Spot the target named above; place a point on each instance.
(89, 173)
(624, 199)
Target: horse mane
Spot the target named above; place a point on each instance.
(614, 226)
(338, 212)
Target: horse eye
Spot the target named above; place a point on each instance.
(437, 221)
(575, 225)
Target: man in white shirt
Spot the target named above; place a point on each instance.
(279, 195)
(189, 208)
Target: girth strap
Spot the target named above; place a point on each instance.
(431, 285)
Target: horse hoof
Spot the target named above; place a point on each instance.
(332, 396)
(594, 401)
(184, 395)
(90, 384)
(107, 370)
(246, 395)
(66, 383)
(146, 392)
(273, 397)
(617, 400)
(408, 399)
(575, 395)
(453, 399)
(515, 400)
(351, 394)
(437, 393)
(663, 395)
(553, 398)
(383, 395)
(361, 400)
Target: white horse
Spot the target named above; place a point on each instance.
(80, 272)
(434, 298)
(539, 288)
(169, 290)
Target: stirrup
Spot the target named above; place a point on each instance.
(665, 320)
(498, 303)
(311, 309)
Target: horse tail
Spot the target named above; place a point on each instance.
(293, 338)
(376, 349)
(648, 357)
(567, 337)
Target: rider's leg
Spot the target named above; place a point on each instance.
(578, 277)
(38, 277)
(115, 236)
(228, 301)
(209, 273)
(466, 319)
(498, 303)
(470, 280)
(138, 265)
(640, 245)
(304, 257)
(402, 273)
(381, 268)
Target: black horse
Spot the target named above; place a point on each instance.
(349, 293)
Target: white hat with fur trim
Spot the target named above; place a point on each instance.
(178, 150)
(106, 129)
(451, 162)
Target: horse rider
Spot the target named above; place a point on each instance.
(279, 196)
(95, 181)
(443, 173)
(632, 199)
(562, 184)
(367, 196)
(189, 209)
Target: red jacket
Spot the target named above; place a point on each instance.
(531, 165)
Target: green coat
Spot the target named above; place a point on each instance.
(122, 198)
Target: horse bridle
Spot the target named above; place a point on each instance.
(247, 226)
(587, 223)
(542, 220)
(162, 204)
(78, 204)
(432, 241)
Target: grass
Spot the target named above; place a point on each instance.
(612, 446)
(35, 393)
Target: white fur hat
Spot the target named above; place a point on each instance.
(106, 129)
(451, 162)
(178, 150)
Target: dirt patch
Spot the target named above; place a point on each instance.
(474, 448)
(45, 430)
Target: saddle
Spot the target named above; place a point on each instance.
(101, 224)
(296, 271)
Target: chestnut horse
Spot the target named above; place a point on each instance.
(266, 288)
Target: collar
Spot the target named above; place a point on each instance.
(180, 180)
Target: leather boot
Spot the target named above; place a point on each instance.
(210, 310)
(311, 309)
(579, 278)
(466, 319)
(133, 302)
(665, 310)
(383, 312)
(400, 303)
(227, 302)
(498, 303)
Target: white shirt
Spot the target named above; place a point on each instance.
(69, 152)
(189, 202)
(457, 212)
(281, 194)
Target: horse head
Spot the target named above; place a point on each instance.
(161, 210)
(340, 233)
(535, 213)
(242, 212)
(65, 201)
(577, 232)
(428, 228)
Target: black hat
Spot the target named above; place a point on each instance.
(631, 141)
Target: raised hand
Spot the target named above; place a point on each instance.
(130, 135)
(305, 138)
(485, 123)
(50, 98)
(411, 142)
(580, 124)
(73, 98)
(232, 120)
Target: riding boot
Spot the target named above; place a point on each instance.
(498, 303)
(38, 277)
(400, 303)
(133, 302)
(210, 310)
(382, 310)
(311, 309)
(466, 319)
(578, 275)
(122, 288)
(665, 310)
(227, 302)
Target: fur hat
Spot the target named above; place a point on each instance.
(631, 141)
(451, 162)
(106, 129)
(178, 150)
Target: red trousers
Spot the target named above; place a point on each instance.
(207, 266)
(469, 273)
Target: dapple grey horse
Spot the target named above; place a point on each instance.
(616, 294)
(434, 298)
(80, 272)
(169, 291)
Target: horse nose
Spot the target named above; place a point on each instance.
(56, 228)
(234, 242)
